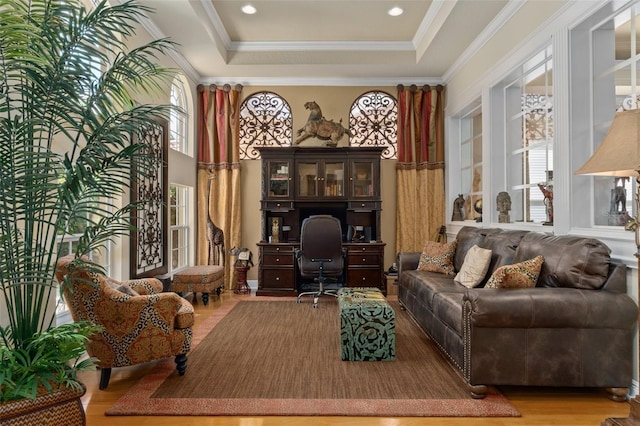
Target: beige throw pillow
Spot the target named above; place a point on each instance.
(475, 267)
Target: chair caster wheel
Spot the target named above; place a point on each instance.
(315, 305)
(297, 300)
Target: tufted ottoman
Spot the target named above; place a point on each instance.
(203, 279)
(367, 325)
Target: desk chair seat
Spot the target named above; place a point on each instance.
(321, 255)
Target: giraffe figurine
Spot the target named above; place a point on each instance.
(215, 239)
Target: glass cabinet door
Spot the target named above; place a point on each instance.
(362, 179)
(279, 179)
(307, 183)
(334, 179)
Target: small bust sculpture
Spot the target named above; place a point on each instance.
(503, 205)
(458, 208)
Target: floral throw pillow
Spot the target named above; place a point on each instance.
(519, 275)
(437, 257)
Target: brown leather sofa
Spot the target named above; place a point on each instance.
(574, 329)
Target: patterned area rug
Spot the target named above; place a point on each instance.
(263, 358)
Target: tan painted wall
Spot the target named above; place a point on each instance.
(335, 103)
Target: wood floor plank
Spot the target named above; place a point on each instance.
(562, 407)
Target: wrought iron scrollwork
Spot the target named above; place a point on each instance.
(373, 122)
(149, 253)
(265, 120)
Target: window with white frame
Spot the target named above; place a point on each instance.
(471, 160)
(179, 225)
(525, 99)
(614, 43)
(178, 116)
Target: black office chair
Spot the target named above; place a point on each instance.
(321, 254)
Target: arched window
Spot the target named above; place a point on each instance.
(178, 117)
(265, 120)
(373, 121)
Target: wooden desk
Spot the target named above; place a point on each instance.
(278, 269)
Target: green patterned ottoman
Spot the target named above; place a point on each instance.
(367, 325)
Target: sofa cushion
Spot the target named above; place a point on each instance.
(475, 267)
(437, 257)
(570, 261)
(468, 237)
(447, 307)
(425, 285)
(502, 243)
(519, 275)
(503, 248)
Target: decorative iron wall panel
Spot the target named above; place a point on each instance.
(265, 120)
(373, 121)
(149, 244)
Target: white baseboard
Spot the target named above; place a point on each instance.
(253, 284)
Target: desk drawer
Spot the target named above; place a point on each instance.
(364, 278)
(364, 259)
(277, 259)
(278, 279)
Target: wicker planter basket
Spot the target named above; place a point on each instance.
(63, 407)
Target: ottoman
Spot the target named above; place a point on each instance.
(203, 279)
(367, 325)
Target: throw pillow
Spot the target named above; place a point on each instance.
(127, 290)
(438, 257)
(475, 267)
(519, 275)
(122, 288)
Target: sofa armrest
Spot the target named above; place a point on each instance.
(407, 260)
(548, 308)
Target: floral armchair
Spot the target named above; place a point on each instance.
(140, 323)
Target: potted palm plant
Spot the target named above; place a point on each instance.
(70, 114)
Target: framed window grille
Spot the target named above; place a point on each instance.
(265, 120)
(373, 121)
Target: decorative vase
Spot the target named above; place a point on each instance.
(62, 407)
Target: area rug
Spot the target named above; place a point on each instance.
(277, 357)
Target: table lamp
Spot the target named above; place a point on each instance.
(619, 156)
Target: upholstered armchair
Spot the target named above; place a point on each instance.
(140, 323)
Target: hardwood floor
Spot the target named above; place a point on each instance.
(538, 406)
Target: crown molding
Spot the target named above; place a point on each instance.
(494, 26)
(435, 18)
(342, 46)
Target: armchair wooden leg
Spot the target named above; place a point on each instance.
(105, 375)
(181, 364)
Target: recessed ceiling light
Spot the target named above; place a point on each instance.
(248, 9)
(395, 11)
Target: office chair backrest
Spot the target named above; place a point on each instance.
(321, 238)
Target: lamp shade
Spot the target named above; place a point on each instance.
(619, 152)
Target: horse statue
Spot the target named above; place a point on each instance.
(321, 128)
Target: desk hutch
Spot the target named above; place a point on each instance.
(298, 182)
